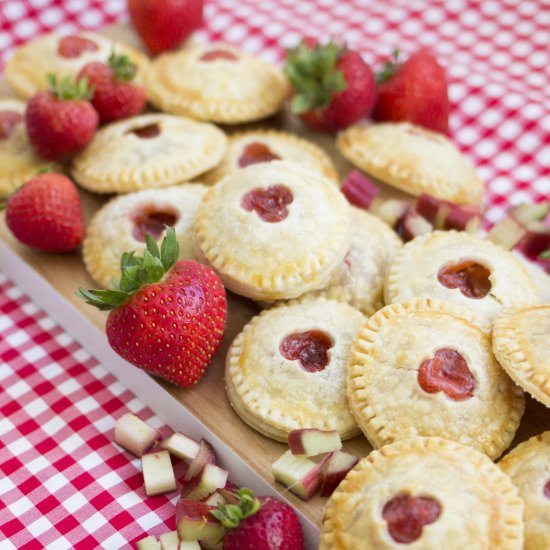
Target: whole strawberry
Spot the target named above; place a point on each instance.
(45, 213)
(263, 523)
(61, 121)
(163, 24)
(415, 91)
(167, 317)
(333, 86)
(115, 95)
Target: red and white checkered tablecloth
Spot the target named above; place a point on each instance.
(63, 484)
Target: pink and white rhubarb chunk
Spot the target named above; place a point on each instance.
(148, 543)
(210, 479)
(205, 455)
(359, 190)
(169, 541)
(299, 475)
(134, 435)
(194, 522)
(158, 473)
(181, 446)
(313, 442)
(335, 470)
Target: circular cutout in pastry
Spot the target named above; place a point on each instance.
(427, 493)
(286, 369)
(120, 226)
(148, 151)
(274, 230)
(461, 268)
(424, 367)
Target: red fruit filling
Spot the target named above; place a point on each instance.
(8, 121)
(471, 278)
(270, 203)
(406, 516)
(546, 490)
(213, 55)
(447, 372)
(310, 348)
(152, 222)
(73, 46)
(145, 132)
(255, 153)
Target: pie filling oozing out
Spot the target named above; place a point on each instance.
(256, 152)
(309, 347)
(471, 278)
(145, 132)
(448, 372)
(214, 55)
(8, 121)
(270, 203)
(406, 516)
(546, 490)
(152, 221)
(73, 46)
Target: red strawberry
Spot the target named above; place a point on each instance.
(163, 24)
(263, 523)
(415, 91)
(333, 86)
(115, 96)
(46, 213)
(62, 121)
(168, 316)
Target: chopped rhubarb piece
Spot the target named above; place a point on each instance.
(428, 206)
(530, 212)
(205, 455)
(447, 215)
(134, 435)
(158, 474)
(390, 211)
(335, 470)
(506, 233)
(148, 543)
(228, 493)
(313, 442)
(412, 225)
(300, 475)
(211, 478)
(215, 498)
(181, 446)
(359, 190)
(191, 545)
(169, 541)
(535, 240)
(195, 522)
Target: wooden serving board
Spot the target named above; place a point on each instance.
(207, 400)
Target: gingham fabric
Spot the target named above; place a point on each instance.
(63, 484)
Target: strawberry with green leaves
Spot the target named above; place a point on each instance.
(263, 523)
(413, 91)
(333, 86)
(61, 121)
(166, 317)
(115, 95)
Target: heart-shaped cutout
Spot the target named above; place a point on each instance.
(546, 490)
(152, 222)
(406, 516)
(73, 46)
(471, 278)
(270, 203)
(447, 372)
(145, 132)
(8, 121)
(256, 152)
(214, 55)
(309, 347)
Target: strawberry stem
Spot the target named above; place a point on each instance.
(545, 255)
(68, 90)
(123, 69)
(137, 271)
(389, 68)
(232, 515)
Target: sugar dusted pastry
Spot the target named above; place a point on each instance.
(120, 226)
(286, 369)
(528, 465)
(216, 82)
(62, 55)
(18, 161)
(461, 268)
(358, 280)
(413, 159)
(273, 230)
(258, 146)
(423, 367)
(424, 493)
(521, 343)
(148, 151)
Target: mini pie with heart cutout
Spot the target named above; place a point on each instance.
(424, 367)
(528, 465)
(273, 231)
(424, 493)
(148, 151)
(257, 146)
(120, 226)
(413, 159)
(286, 369)
(63, 55)
(216, 82)
(461, 268)
(521, 343)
